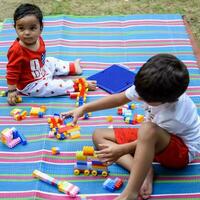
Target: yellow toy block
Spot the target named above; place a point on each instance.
(80, 156)
(88, 150)
(15, 111)
(139, 118)
(34, 111)
(109, 118)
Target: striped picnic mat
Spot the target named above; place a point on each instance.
(99, 42)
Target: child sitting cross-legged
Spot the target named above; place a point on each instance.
(170, 134)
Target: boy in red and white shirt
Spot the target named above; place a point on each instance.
(28, 69)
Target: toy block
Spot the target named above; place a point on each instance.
(14, 142)
(63, 186)
(88, 150)
(68, 188)
(139, 118)
(3, 93)
(109, 118)
(118, 183)
(18, 99)
(34, 111)
(74, 95)
(22, 138)
(109, 185)
(55, 150)
(51, 134)
(132, 106)
(15, 111)
(80, 156)
(75, 134)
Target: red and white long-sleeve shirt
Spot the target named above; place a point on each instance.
(24, 65)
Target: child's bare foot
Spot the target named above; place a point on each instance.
(92, 85)
(77, 65)
(146, 189)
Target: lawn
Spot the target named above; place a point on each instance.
(189, 8)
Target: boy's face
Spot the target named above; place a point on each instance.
(28, 30)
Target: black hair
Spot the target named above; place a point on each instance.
(28, 9)
(163, 78)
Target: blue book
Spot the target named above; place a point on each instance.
(114, 79)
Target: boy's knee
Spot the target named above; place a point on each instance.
(96, 134)
(148, 130)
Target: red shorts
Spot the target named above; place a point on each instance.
(175, 155)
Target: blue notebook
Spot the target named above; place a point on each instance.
(114, 79)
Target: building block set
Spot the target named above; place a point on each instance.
(60, 130)
(81, 86)
(63, 186)
(88, 163)
(112, 184)
(11, 137)
(19, 114)
(129, 117)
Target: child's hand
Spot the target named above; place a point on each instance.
(92, 85)
(12, 97)
(110, 153)
(79, 112)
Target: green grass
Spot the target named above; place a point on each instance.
(189, 8)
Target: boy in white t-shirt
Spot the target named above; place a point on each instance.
(170, 134)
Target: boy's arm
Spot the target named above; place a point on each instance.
(110, 101)
(110, 153)
(101, 104)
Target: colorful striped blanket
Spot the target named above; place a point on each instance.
(99, 42)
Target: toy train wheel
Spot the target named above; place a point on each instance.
(94, 173)
(76, 172)
(104, 173)
(86, 172)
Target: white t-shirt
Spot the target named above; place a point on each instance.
(179, 118)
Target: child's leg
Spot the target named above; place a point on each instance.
(151, 140)
(107, 136)
(57, 67)
(48, 87)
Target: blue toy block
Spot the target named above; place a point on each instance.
(23, 139)
(109, 185)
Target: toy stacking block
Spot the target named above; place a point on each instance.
(34, 111)
(55, 150)
(132, 106)
(3, 93)
(68, 129)
(18, 99)
(112, 184)
(68, 188)
(55, 122)
(15, 111)
(139, 118)
(109, 185)
(88, 150)
(74, 95)
(38, 111)
(22, 138)
(51, 134)
(118, 183)
(80, 156)
(60, 136)
(14, 142)
(6, 136)
(75, 135)
(109, 118)
(44, 177)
